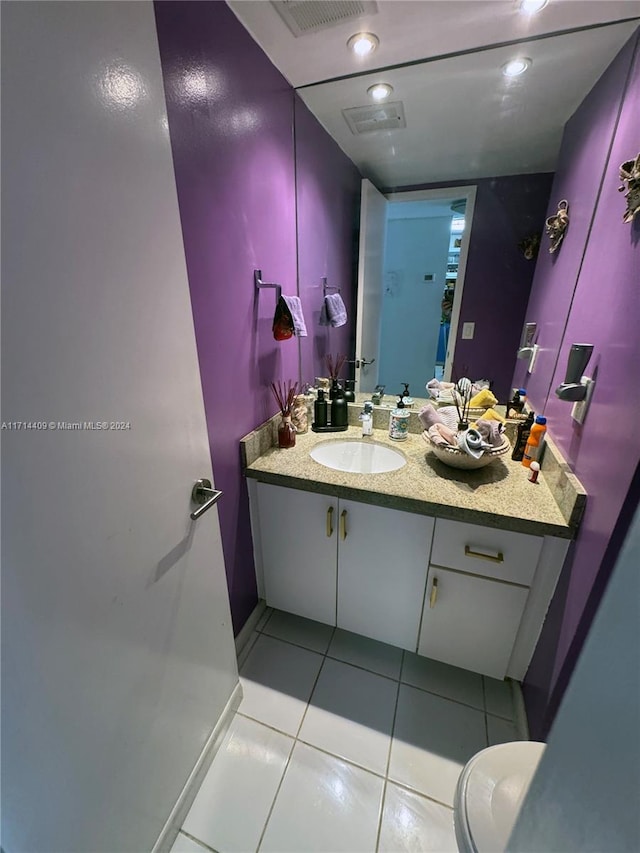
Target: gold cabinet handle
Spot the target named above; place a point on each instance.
(434, 593)
(498, 558)
(330, 521)
(343, 524)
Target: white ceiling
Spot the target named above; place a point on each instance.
(464, 118)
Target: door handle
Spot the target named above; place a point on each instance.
(330, 521)
(205, 496)
(360, 362)
(343, 524)
(434, 593)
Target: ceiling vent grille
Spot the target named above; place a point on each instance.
(375, 117)
(308, 16)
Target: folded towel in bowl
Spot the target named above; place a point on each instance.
(483, 399)
(492, 415)
(491, 432)
(441, 435)
(428, 416)
(333, 312)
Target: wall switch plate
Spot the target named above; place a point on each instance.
(468, 331)
(579, 409)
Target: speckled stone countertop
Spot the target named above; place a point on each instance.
(498, 495)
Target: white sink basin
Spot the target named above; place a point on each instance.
(358, 457)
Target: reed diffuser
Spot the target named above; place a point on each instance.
(285, 393)
(334, 368)
(462, 397)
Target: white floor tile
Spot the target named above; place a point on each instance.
(369, 654)
(501, 731)
(233, 803)
(277, 679)
(414, 824)
(303, 632)
(498, 697)
(432, 740)
(187, 845)
(351, 715)
(448, 681)
(324, 805)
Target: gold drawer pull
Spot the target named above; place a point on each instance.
(343, 524)
(434, 593)
(498, 558)
(330, 521)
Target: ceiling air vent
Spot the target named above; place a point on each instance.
(308, 16)
(375, 117)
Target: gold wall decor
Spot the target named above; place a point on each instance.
(557, 225)
(630, 172)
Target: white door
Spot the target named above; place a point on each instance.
(373, 220)
(298, 534)
(471, 622)
(118, 653)
(382, 570)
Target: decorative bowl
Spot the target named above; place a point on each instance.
(456, 458)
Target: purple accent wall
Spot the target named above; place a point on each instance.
(605, 452)
(498, 278)
(231, 120)
(328, 200)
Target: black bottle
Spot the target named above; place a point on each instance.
(524, 428)
(320, 410)
(349, 394)
(339, 411)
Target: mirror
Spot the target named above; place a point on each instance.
(510, 160)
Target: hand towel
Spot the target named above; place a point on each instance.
(441, 434)
(491, 431)
(492, 415)
(282, 321)
(483, 399)
(334, 312)
(295, 309)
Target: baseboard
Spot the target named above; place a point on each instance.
(185, 800)
(519, 710)
(249, 626)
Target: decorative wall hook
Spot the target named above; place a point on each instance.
(530, 246)
(630, 172)
(557, 225)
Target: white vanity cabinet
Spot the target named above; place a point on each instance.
(477, 590)
(465, 594)
(361, 567)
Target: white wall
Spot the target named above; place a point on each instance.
(118, 655)
(585, 795)
(411, 307)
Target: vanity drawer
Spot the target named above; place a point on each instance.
(499, 554)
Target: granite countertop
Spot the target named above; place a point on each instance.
(498, 495)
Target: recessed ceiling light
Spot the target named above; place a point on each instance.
(530, 7)
(516, 67)
(362, 44)
(380, 91)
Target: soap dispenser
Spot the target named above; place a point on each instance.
(339, 411)
(367, 418)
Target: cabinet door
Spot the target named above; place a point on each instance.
(299, 541)
(471, 621)
(382, 569)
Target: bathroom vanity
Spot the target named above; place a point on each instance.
(458, 566)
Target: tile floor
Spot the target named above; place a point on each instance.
(342, 744)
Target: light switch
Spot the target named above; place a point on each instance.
(468, 331)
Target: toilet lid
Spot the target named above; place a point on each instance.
(490, 791)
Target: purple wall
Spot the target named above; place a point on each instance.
(498, 277)
(605, 452)
(328, 199)
(231, 120)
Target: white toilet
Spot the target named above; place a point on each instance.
(490, 792)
